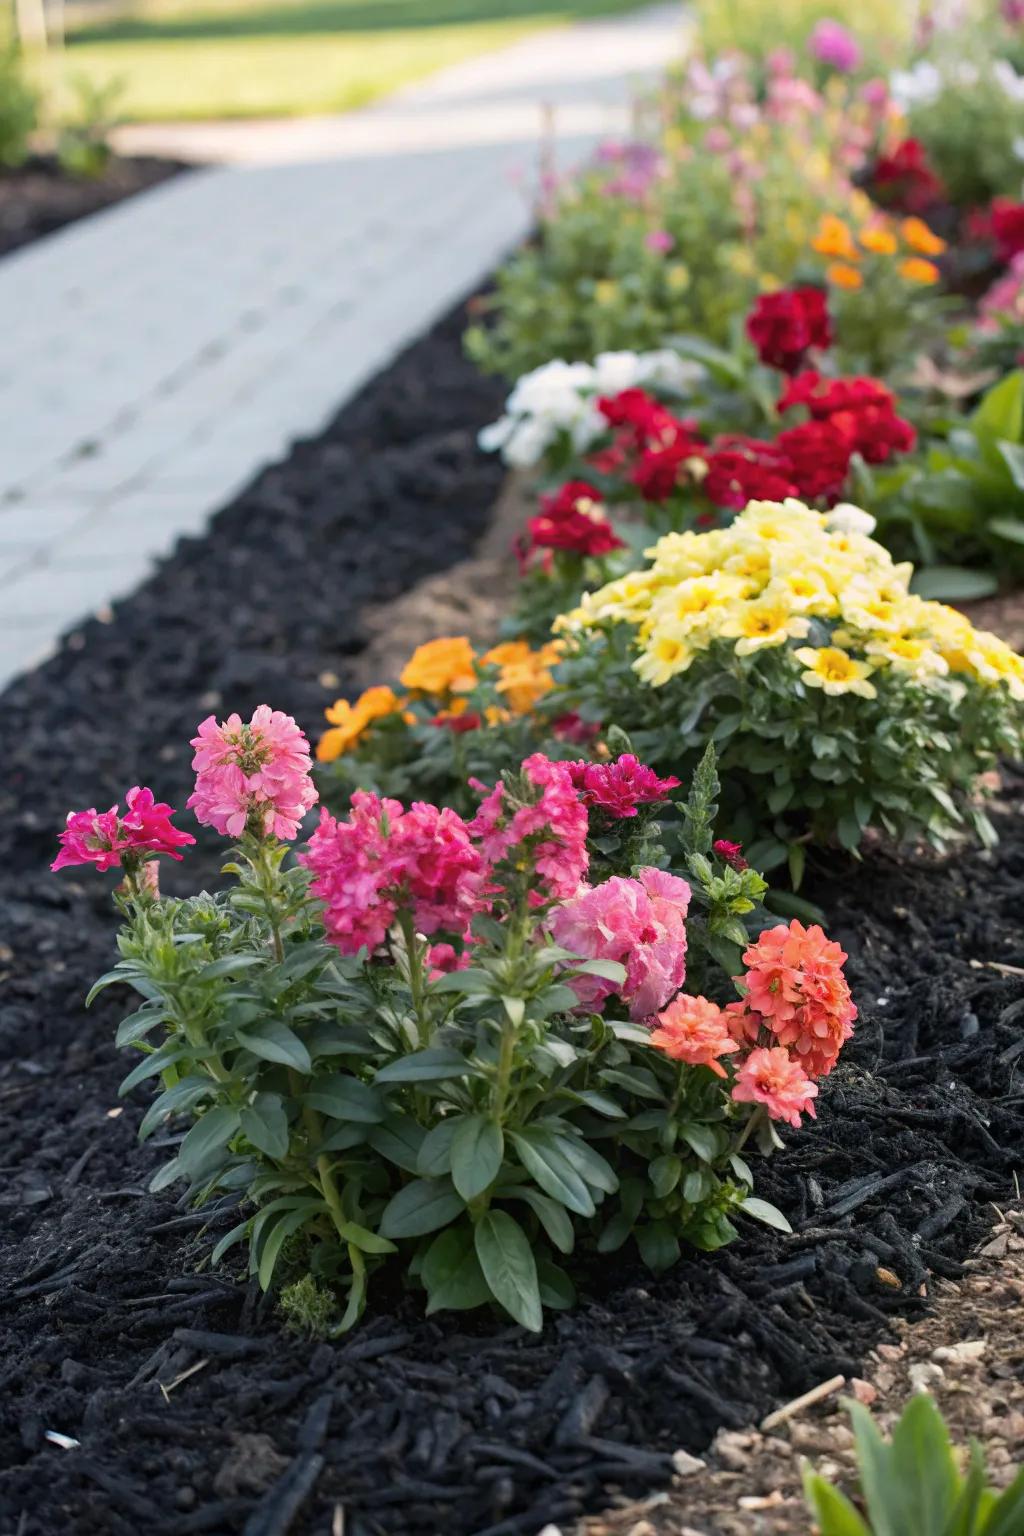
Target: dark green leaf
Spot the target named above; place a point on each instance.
(265, 1123)
(451, 1273)
(345, 1098)
(659, 1246)
(274, 1041)
(507, 1261)
(424, 1067)
(421, 1207)
(435, 1155)
(399, 1139)
(549, 1167)
(477, 1150)
(182, 1095)
(207, 1139)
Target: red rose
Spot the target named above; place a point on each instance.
(784, 326)
(1007, 227)
(742, 469)
(904, 179)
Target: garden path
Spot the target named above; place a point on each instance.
(159, 353)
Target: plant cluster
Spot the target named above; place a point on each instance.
(461, 1047)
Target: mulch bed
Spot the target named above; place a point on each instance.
(38, 197)
(193, 1411)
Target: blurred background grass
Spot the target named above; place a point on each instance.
(194, 59)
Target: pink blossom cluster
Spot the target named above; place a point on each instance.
(620, 788)
(640, 923)
(105, 838)
(253, 776)
(383, 858)
(554, 824)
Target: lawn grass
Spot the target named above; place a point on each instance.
(194, 59)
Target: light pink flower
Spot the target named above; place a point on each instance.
(382, 859)
(642, 924)
(102, 838)
(553, 825)
(254, 776)
(770, 1077)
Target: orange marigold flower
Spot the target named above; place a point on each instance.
(879, 241)
(920, 238)
(842, 276)
(525, 675)
(350, 721)
(441, 666)
(916, 270)
(694, 1030)
(834, 239)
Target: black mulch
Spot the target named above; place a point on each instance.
(38, 197)
(193, 1411)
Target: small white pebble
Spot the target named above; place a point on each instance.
(959, 1354)
(65, 1442)
(685, 1464)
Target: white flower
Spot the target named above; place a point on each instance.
(667, 370)
(846, 518)
(616, 371)
(916, 87)
(528, 443)
(1007, 77)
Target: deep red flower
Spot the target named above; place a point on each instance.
(457, 724)
(732, 853)
(742, 469)
(1007, 224)
(904, 180)
(862, 409)
(649, 422)
(784, 326)
(574, 519)
(573, 728)
(820, 458)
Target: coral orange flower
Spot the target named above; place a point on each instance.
(834, 239)
(441, 666)
(842, 276)
(525, 675)
(920, 238)
(350, 721)
(694, 1030)
(917, 270)
(879, 241)
(770, 1078)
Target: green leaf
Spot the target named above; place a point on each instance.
(556, 1289)
(362, 1238)
(425, 1067)
(507, 1261)
(1001, 411)
(659, 1246)
(832, 1510)
(549, 1168)
(228, 1241)
(136, 1026)
(122, 972)
(701, 1139)
(664, 1173)
(636, 1079)
(207, 1139)
(923, 1467)
(264, 1122)
(590, 1165)
(185, 1094)
(472, 980)
(615, 1233)
(451, 1273)
(152, 1063)
(477, 1150)
(228, 965)
(345, 1098)
(764, 1211)
(435, 1155)
(274, 1041)
(1007, 1516)
(953, 583)
(878, 1483)
(700, 807)
(608, 970)
(552, 1216)
(399, 1139)
(1011, 528)
(287, 1223)
(421, 1207)
(600, 1103)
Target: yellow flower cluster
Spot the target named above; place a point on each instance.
(445, 670)
(759, 583)
(879, 237)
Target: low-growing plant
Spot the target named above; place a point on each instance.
(19, 105)
(837, 699)
(911, 1484)
(434, 1043)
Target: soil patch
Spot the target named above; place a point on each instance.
(187, 1408)
(38, 197)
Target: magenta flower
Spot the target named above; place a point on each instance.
(659, 241)
(555, 824)
(619, 788)
(104, 838)
(642, 924)
(383, 859)
(830, 43)
(254, 776)
(732, 853)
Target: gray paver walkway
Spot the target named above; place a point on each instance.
(160, 352)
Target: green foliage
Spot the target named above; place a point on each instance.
(474, 1128)
(19, 106)
(979, 112)
(912, 1484)
(963, 508)
(83, 147)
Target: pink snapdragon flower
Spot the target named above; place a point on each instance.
(105, 838)
(554, 824)
(832, 44)
(381, 859)
(659, 241)
(642, 924)
(770, 1077)
(619, 788)
(254, 776)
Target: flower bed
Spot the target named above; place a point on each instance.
(477, 1092)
